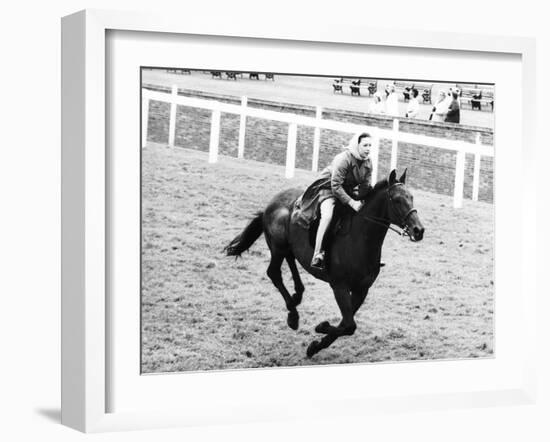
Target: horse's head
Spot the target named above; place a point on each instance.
(401, 211)
(392, 197)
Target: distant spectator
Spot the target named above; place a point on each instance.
(454, 90)
(439, 111)
(377, 106)
(476, 101)
(414, 105)
(453, 112)
(448, 98)
(392, 106)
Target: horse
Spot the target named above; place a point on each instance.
(353, 255)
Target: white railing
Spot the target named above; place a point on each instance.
(460, 147)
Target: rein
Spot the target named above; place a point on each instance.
(387, 222)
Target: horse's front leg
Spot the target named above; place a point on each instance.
(357, 298)
(346, 327)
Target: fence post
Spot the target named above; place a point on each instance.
(477, 169)
(291, 150)
(242, 127)
(172, 126)
(459, 178)
(316, 141)
(393, 162)
(144, 120)
(214, 136)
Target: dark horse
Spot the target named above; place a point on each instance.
(353, 255)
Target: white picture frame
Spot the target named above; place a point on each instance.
(85, 208)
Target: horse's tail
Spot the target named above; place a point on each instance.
(246, 238)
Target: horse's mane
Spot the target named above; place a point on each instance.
(382, 184)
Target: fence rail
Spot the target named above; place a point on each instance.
(243, 110)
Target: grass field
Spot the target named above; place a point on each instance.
(202, 310)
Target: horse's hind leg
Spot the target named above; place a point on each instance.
(298, 285)
(274, 273)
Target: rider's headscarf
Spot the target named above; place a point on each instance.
(353, 145)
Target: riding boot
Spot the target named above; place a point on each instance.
(318, 260)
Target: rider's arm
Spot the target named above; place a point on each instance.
(340, 168)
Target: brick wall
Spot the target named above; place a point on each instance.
(430, 168)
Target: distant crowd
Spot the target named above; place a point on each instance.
(446, 108)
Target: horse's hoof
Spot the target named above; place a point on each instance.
(293, 320)
(323, 327)
(312, 349)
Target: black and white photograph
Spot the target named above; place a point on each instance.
(292, 220)
(275, 221)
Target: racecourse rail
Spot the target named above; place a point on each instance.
(460, 147)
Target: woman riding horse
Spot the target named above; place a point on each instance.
(350, 168)
(355, 251)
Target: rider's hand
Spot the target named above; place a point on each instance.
(355, 205)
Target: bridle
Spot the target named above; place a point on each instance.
(387, 222)
(406, 216)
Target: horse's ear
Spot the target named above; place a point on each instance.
(403, 177)
(392, 178)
